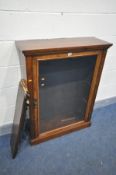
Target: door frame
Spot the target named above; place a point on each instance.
(36, 137)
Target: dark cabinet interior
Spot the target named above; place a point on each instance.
(64, 89)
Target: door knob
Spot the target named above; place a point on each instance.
(43, 78)
(42, 84)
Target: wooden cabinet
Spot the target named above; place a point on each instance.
(62, 79)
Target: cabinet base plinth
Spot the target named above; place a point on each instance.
(59, 132)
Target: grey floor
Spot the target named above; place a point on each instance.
(91, 151)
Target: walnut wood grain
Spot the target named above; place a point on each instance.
(34, 47)
(56, 49)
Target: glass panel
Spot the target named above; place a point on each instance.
(64, 89)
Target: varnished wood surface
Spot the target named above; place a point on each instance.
(94, 84)
(32, 88)
(34, 113)
(52, 49)
(30, 47)
(19, 117)
(60, 131)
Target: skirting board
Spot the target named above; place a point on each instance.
(105, 102)
(6, 129)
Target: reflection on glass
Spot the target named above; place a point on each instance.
(64, 90)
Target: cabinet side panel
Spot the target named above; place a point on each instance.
(95, 83)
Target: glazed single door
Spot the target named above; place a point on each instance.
(64, 86)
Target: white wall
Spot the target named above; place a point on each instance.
(28, 19)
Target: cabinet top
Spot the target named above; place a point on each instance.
(32, 47)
